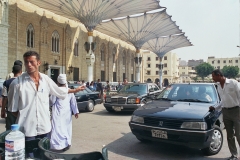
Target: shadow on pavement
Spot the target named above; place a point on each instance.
(2, 120)
(129, 146)
(106, 113)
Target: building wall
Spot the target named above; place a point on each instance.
(172, 62)
(3, 38)
(45, 23)
(219, 63)
(186, 74)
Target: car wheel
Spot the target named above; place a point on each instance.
(143, 140)
(90, 106)
(110, 110)
(216, 142)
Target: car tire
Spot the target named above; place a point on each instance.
(216, 142)
(143, 140)
(90, 106)
(110, 110)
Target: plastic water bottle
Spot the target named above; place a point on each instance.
(15, 144)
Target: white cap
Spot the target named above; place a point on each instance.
(62, 79)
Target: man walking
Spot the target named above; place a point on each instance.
(229, 92)
(61, 133)
(10, 118)
(29, 98)
(100, 89)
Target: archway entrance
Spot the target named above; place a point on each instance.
(165, 82)
(149, 80)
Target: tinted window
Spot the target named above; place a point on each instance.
(192, 92)
(135, 88)
(88, 90)
(155, 87)
(82, 92)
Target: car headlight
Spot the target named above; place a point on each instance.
(131, 101)
(78, 97)
(108, 99)
(194, 125)
(134, 100)
(137, 119)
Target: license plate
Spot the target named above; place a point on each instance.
(159, 134)
(116, 108)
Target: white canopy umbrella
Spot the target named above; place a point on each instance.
(163, 45)
(92, 12)
(138, 29)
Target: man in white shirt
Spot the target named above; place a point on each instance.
(29, 98)
(229, 93)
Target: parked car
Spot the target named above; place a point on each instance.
(131, 97)
(180, 115)
(86, 99)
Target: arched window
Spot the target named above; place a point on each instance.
(102, 51)
(76, 48)
(30, 36)
(55, 42)
(124, 57)
(114, 54)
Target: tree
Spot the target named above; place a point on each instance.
(203, 70)
(230, 71)
(195, 79)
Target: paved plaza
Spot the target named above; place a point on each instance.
(94, 129)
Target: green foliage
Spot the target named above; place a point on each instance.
(230, 71)
(204, 69)
(195, 79)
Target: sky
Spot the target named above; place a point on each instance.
(213, 27)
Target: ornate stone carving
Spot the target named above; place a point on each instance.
(68, 37)
(44, 29)
(3, 11)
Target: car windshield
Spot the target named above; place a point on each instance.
(204, 93)
(134, 88)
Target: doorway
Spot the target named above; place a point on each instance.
(102, 75)
(76, 74)
(114, 76)
(166, 83)
(54, 74)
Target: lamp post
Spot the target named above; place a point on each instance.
(138, 61)
(160, 66)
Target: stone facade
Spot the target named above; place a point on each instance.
(45, 23)
(3, 38)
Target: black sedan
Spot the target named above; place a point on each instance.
(180, 115)
(131, 97)
(86, 99)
